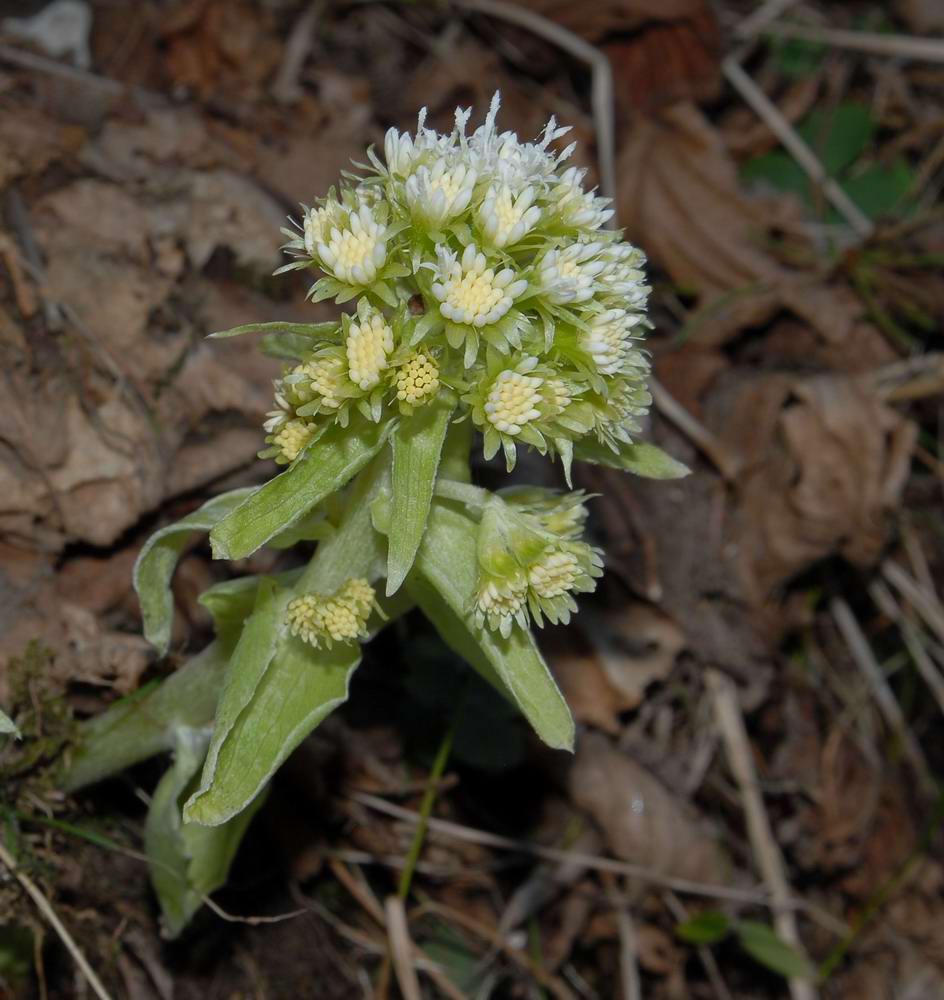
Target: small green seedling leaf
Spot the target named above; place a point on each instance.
(8, 727)
(417, 447)
(158, 559)
(338, 455)
(444, 584)
(144, 723)
(187, 862)
(709, 927)
(761, 942)
(642, 459)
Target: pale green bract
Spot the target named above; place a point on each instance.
(483, 294)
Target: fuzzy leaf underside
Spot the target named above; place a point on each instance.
(157, 561)
(328, 465)
(447, 565)
(641, 458)
(417, 448)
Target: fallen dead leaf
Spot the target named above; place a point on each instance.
(642, 822)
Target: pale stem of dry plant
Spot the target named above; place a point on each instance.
(767, 853)
(887, 604)
(864, 658)
(45, 908)
(896, 46)
(755, 22)
(795, 145)
(401, 948)
(927, 605)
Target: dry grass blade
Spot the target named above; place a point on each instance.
(924, 603)
(401, 948)
(888, 705)
(766, 851)
(895, 46)
(45, 908)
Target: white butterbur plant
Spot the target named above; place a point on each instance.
(481, 298)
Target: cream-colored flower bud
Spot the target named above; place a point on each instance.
(369, 341)
(417, 380)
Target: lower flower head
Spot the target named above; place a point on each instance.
(555, 574)
(355, 252)
(505, 219)
(513, 401)
(369, 341)
(320, 619)
(501, 603)
(291, 437)
(608, 339)
(417, 380)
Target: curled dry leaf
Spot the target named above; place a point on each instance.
(825, 461)
(642, 822)
(615, 657)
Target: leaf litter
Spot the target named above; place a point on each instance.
(155, 219)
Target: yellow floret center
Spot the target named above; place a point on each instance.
(512, 401)
(326, 377)
(292, 437)
(368, 344)
(417, 380)
(554, 575)
(320, 619)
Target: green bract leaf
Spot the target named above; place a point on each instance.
(8, 726)
(324, 468)
(709, 927)
(761, 942)
(444, 583)
(187, 861)
(144, 723)
(312, 330)
(642, 459)
(158, 559)
(251, 658)
(417, 447)
(231, 601)
(300, 688)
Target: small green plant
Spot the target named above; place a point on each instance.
(486, 296)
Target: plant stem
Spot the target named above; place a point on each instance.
(426, 808)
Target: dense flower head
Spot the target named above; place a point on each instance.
(478, 266)
(324, 619)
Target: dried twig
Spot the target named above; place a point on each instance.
(795, 145)
(896, 46)
(766, 851)
(888, 705)
(45, 908)
(924, 603)
(401, 948)
(286, 88)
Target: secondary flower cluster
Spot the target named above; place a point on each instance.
(481, 268)
(531, 558)
(324, 619)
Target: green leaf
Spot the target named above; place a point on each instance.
(338, 455)
(761, 942)
(157, 561)
(8, 726)
(709, 927)
(838, 136)
(230, 602)
(417, 447)
(187, 861)
(881, 190)
(312, 330)
(301, 687)
(251, 658)
(444, 583)
(642, 459)
(144, 723)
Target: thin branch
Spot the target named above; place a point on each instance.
(45, 908)
(769, 859)
(895, 46)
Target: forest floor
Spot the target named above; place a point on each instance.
(759, 683)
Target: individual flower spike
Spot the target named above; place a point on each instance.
(571, 275)
(504, 218)
(502, 603)
(608, 339)
(321, 380)
(369, 340)
(417, 380)
(513, 400)
(354, 252)
(575, 208)
(322, 620)
(291, 438)
(439, 193)
(469, 291)
(563, 569)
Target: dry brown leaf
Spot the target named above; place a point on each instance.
(30, 141)
(922, 16)
(605, 17)
(620, 654)
(680, 199)
(642, 822)
(824, 462)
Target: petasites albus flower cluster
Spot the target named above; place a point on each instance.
(480, 272)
